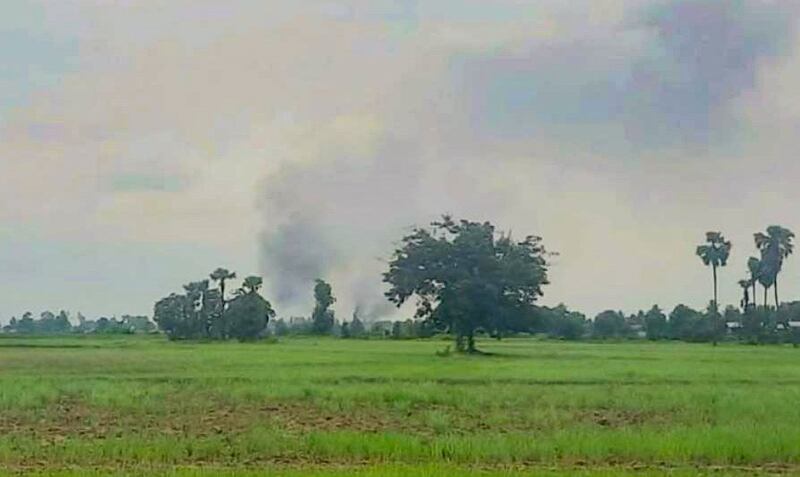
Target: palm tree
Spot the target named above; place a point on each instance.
(252, 284)
(714, 252)
(775, 246)
(754, 267)
(221, 275)
(766, 279)
(745, 284)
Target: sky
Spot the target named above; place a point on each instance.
(145, 143)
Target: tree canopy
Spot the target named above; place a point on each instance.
(467, 277)
(203, 313)
(322, 317)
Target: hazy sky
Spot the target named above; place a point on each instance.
(144, 143)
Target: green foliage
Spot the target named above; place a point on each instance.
(611, 324)
(248, 315)
(322, 317)
(467, 278)
(714, 253)
(655, 324)
(281, 328)
(775, 246)
(52, 324)
(559, 322)
(251, 284)
(202, 313)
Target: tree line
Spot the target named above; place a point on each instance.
(466, 279)
(49, 323)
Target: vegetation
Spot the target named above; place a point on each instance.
(204, 313)
(714, 253)
(307, 404)
(469, 281)
(323, 317)
(775, 246)
(466, 277)
(52, 324)
(321, 406)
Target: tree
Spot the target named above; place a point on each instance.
(173, 316)
(248, 314)
(251, 284)
(682, 322)
(565, 324)
(221, 275)
(754, 267)
(775, 246)
(357, 328)
(346, 330)
(714, 252)
(766, 279)
(714, 322)
(281, 328)
(610, 324)
(397, 330)
(655, 324)
(466, 277)
(745, 285)
(201, 315)
(322, 317)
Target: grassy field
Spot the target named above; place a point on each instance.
(324, 407)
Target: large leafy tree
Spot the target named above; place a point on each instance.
(322, 318)
(466, 277)
(173, 315)
(714, 253)
(248, 314)
(775, 245)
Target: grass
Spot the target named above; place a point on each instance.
(325, 407)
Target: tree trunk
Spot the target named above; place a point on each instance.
(765, 296)
(777, 303)
(755, 295)
(224, 330)
(471, 342)
(459, 342)
(714, 268)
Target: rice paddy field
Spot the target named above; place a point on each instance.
(327, 407)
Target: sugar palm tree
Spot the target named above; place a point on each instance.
(754, 267)
(745, 284)
(766, 278)
(221, 275)
(714, 253)
(775, 246)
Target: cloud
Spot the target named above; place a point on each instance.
(665, 76)
(303, 139)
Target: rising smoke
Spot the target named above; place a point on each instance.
(462, 130)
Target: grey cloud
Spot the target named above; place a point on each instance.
(665, 77)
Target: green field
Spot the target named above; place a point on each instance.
(326, 407)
